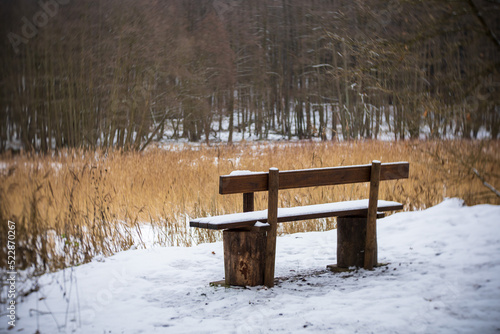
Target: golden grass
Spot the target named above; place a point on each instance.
(76, 204)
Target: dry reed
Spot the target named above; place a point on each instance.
(76, 204)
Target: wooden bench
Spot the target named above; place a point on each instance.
(250, 237)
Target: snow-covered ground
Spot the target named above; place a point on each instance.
(442, 276)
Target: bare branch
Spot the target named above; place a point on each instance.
(486, 184)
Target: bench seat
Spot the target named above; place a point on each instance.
(248, 219)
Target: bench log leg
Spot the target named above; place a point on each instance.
(244, 257)
(351, 240)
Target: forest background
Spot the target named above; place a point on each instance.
(124, 74)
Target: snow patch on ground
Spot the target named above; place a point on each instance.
(442, 275)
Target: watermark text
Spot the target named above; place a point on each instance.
(11, 273)
(29, 28)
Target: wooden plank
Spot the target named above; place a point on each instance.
(244, 257)
(324, 177)
(309, 210)
(252, 228)
(236, 184)
(351, 242)
(233, 184)
(371, 221)
(248, 202)
(272, 220)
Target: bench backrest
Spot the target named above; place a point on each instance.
(253, 182)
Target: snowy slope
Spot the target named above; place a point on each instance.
(443, 276)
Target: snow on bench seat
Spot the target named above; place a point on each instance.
(246, 219)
